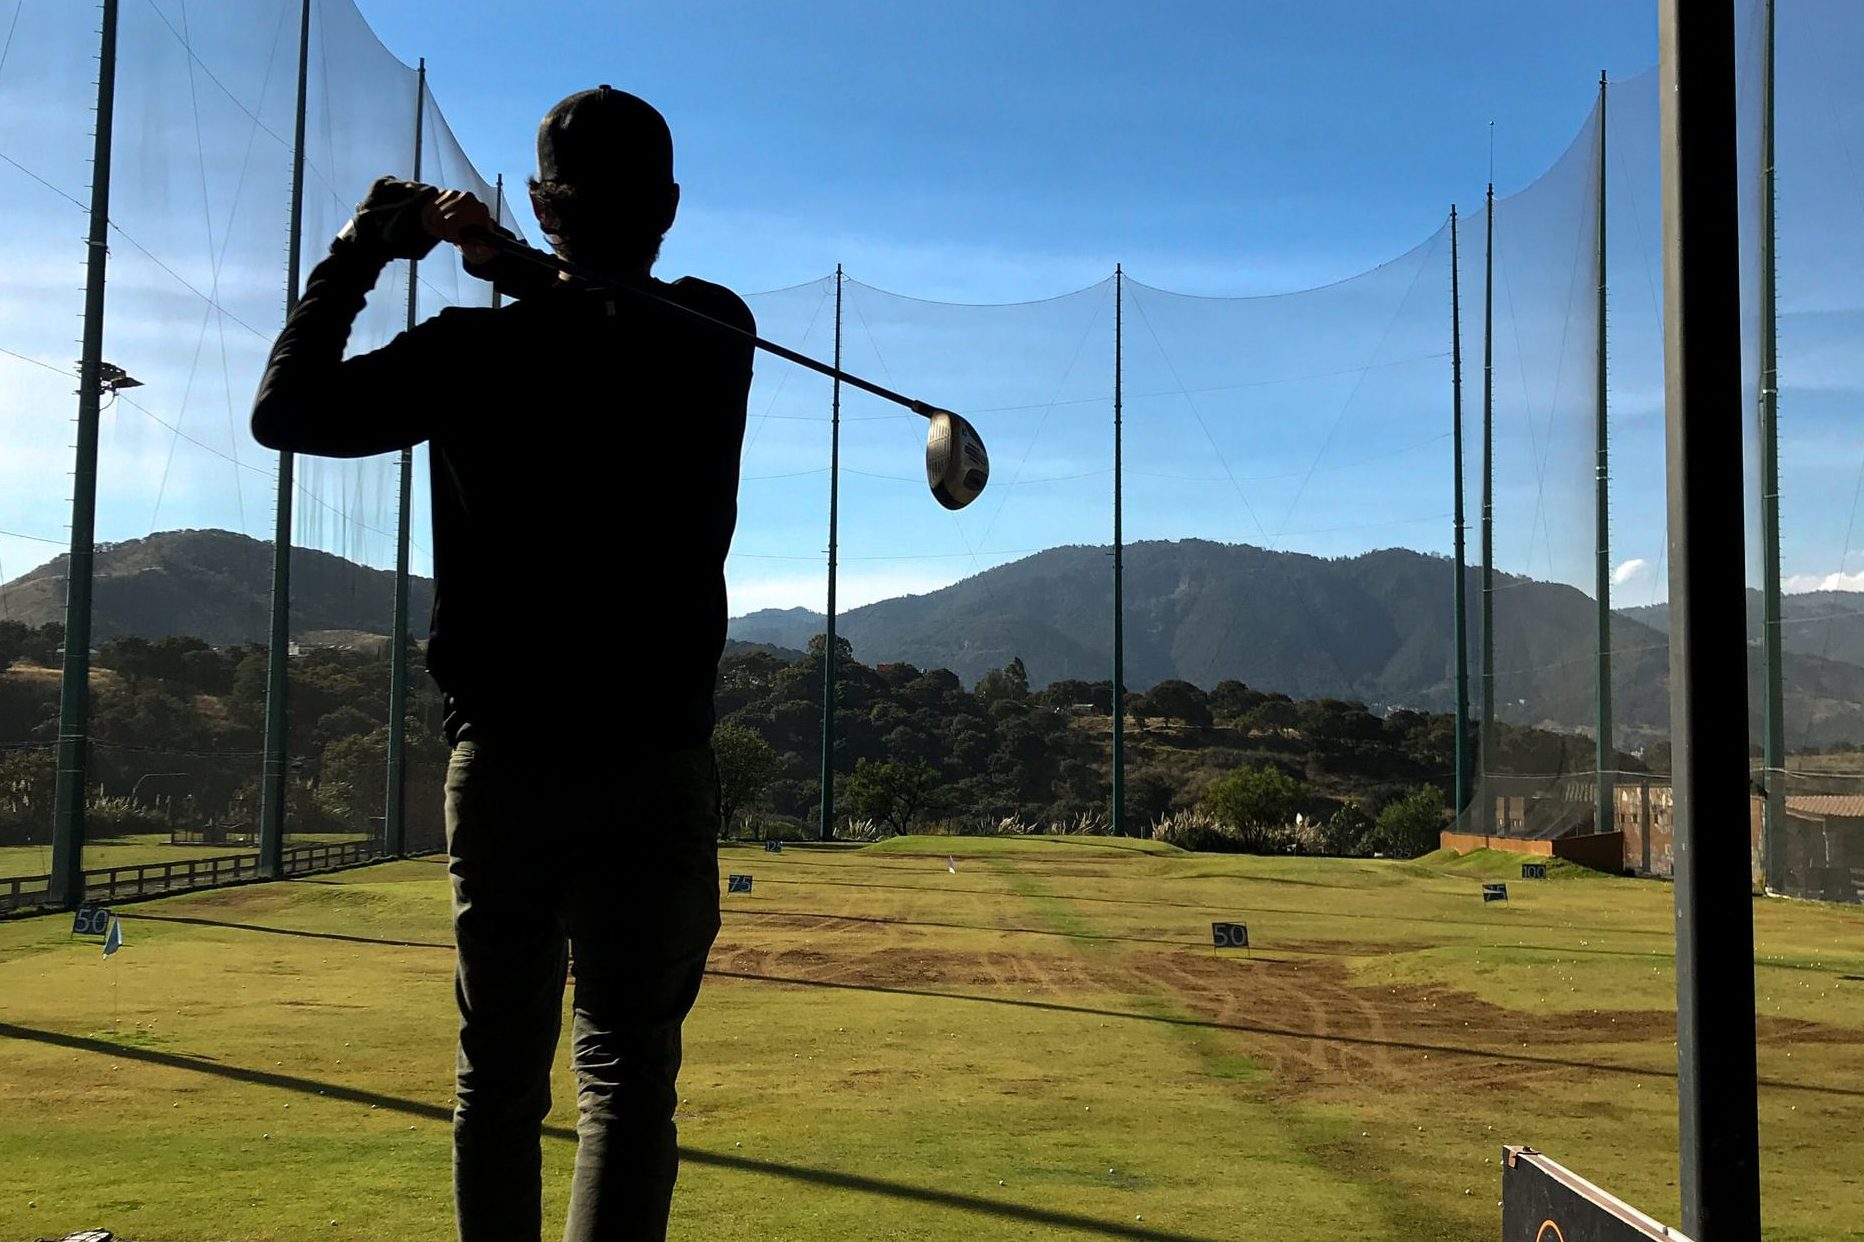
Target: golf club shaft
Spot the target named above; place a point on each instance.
(556, 263)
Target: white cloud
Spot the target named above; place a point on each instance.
(1824, 582)
(1630, 571)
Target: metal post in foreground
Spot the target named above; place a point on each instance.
(74, 706)
(1773, 690)
(1716, 1088)
(278, 655)
(1485, 747)
(1605, 804)
(1460, 594)
(1119, 570)
(394, 824)
(834, 518)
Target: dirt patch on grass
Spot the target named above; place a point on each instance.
(1045, 975)
(1314, 1030)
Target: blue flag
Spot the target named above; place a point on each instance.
(114, 940)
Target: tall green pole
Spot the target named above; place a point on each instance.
(1461, 593)
(1773, 692)
(1605, 807)
(1119, 572)
(1485, 748)
(834, 520)
(278, 655)
(74, 707)
(394, 827)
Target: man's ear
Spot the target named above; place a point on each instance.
(673, 207)
(545, 220)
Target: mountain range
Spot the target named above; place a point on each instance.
(1375, 627)
(216, 586)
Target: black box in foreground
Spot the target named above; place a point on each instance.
(1546, 1202)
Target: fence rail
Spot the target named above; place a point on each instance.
(153, 879)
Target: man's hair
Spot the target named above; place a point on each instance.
(590, 227)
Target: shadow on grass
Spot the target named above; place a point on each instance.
(1256, 1028)
(852, 1182)
(291, 931)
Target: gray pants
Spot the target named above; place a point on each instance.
(540, 873)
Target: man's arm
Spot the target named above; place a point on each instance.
(312, 400)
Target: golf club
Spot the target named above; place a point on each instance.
(957, 464)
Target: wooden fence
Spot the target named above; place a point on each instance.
(153, 879)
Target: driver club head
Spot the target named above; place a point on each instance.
(957, 467)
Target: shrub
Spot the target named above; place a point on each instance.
(1195, 830)
(1347, 831)
(1411, 825)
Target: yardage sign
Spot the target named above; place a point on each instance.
(1545, 1202)
(1229, 935)
(738, 884)
(90, 921)
(773, 847)
(1494, 892)
(1533, 871)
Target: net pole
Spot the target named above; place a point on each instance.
(278, 654)
(498, 212)
(1485, 748)
(1119, 569)
(394, 827)
(1718, 1111)
(827, 831)
(1605, 792)
(1460, 594)
(67, 882)
(1773, 702)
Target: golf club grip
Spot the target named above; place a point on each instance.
(518, 250)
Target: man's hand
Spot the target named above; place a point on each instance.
(454, 212)
(391, 222)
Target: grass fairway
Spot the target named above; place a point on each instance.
(1041, 1044)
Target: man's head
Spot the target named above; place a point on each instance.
(604, 191)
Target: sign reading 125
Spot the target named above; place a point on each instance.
(1229, 935)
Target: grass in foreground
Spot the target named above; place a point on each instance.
(1042, 1044)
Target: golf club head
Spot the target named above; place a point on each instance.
(957, 467)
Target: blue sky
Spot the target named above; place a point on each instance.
(992, 151)
(1228, 154)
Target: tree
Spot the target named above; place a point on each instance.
(129, 657)
(1230, 699)
(1254, 798)
(45, 645)
(1007, 684)
(1148, 798)
(1412, 825)
(747, 764)
(1272, 714)
(1348, 830)
(1174, 699)
(891, 792)
(14, 638)
(1335, 722)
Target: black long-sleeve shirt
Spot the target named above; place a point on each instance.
(584, 449)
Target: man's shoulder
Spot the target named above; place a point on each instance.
(712, 299)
